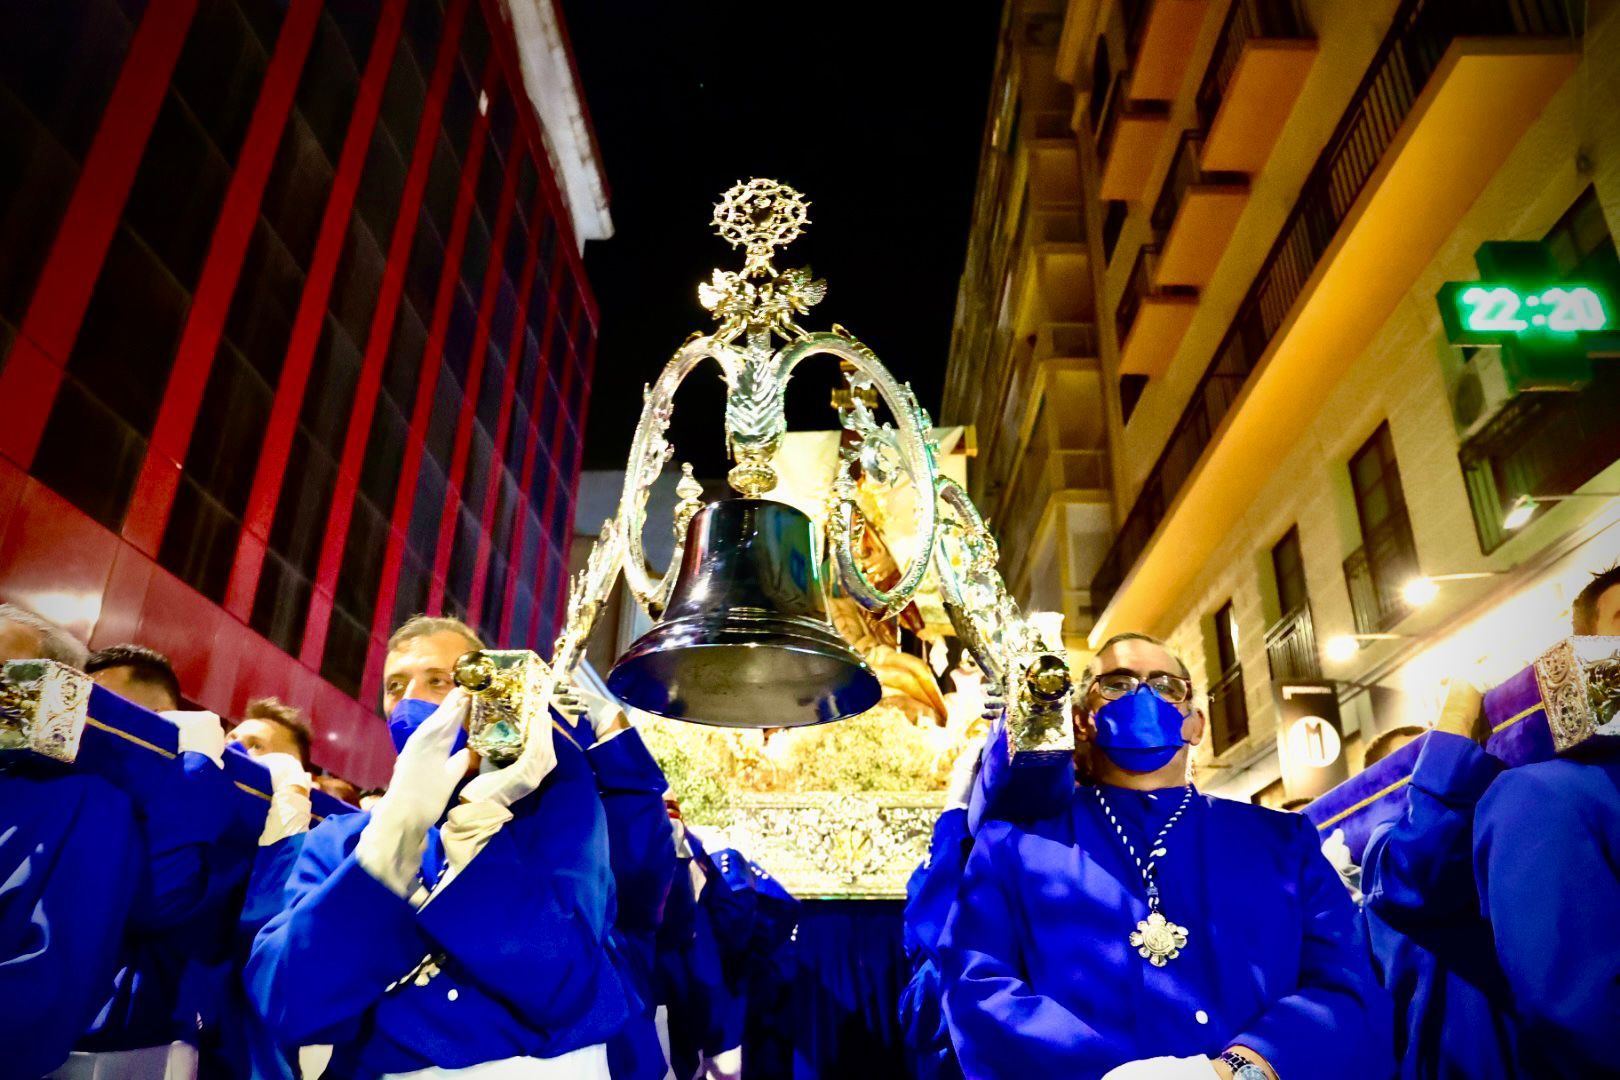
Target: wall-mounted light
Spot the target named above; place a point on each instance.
(1342, 647)
(1524, 507)
(1423, 589)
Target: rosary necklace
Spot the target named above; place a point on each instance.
(1156, 939)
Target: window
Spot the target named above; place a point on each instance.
(58, 64)
(1291, 640)
(1228, 709)
(119, 366)
(1387, 558)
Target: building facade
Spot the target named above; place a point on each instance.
(1312, 477)
(294, 334)
(1025, 369)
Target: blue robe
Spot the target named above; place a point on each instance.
(1430, 945)
(930, 895)
(519, 936)
(641, 849)
(687, 976)
(1546, 853)
(70, 866)
(176, 954)
(250, 1045)
(1040, 976)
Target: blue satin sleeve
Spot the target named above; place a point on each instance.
(1338, 1022)
(1546, 844)
(341, 938)
(923, 1028)
(641, 844)
(930, 904)
(69, 868)
(1418, 872)
(547, 872)
(999, 1024)
(184, 807)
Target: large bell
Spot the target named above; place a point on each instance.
(746, 641)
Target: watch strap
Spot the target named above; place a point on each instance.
(1242, 1068)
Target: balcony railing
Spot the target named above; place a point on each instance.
(1247, 20)
(1044, 473)
(1184, 173)
(1228, 711)
(1051, 124)
(1066, 341)
(1540, 444)
(1291, 647)
(1065, 226)
(1376, 571)
(1141, 286)
(1422, 31)
(1119, 105)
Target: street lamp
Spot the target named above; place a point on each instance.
(1524, 507)
(1343, 647)
(1423, 589)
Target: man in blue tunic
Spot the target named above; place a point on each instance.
(1152, 931)
(459, 923)
(930, 895)
(419, 674)
(1547, 865)
(1430, 945)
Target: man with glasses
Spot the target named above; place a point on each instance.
(1152, 932)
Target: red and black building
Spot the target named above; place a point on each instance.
(295, 339)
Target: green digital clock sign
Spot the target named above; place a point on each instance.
(1487, 313)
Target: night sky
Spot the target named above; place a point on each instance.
(874, 111)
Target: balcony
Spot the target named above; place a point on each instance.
(1128, 140)
(1291, 647)
(1261, 61)
(1151, 319)
(1541, 444)
(1228, 712)
(1053, 156)
(1160, 36)
(1046, 479)
(1448, 94)
(1061, 260)
(1195, 215)
(1375, 572)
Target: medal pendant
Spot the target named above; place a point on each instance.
(1157, 940)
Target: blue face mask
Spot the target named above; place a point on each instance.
(1139, 732)
(408, 716)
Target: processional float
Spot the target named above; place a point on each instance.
(742, 638)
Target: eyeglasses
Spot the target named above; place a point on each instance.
(1118, 684)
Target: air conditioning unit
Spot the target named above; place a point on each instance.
(1480, 392)
(1492, 377)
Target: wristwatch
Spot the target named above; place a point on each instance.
(1242, 1067)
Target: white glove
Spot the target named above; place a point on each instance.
(959, 791)
(607, 715)
(425, 776)
(1164, 1068)
(506, 786)
(285, 772)
(1337, 851)
(200, 732)
(290, 812)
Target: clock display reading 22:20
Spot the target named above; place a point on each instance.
(1502, 309)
